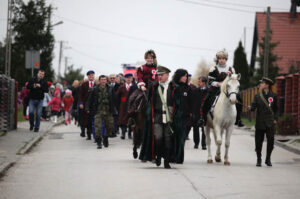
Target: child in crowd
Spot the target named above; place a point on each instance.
(67, 102)
(55, 105)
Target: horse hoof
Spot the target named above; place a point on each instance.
(218, 159)
(135, 155)
(209, 161)
(227, 163)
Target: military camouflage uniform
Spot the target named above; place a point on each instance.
(102, 107)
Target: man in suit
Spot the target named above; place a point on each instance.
(113, 83)
(199, 95)
(265, 104)
(85, 90)
(122, 95)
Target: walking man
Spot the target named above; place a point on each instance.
(37, 87)
(199, 95)
(101, 106)
(265, 104)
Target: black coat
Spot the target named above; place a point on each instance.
(199, 95)
(264, 117)
(186, 99)
(92, 102)
(38, 92)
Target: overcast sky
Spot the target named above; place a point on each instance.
(102, 34)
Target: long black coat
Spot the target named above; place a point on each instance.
(122, 96)
(199, 95)
(264, 117)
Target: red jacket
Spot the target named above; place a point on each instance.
(146, 73)
(56, 101)
(68, 101)
(55, 104)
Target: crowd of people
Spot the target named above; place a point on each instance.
(104, 105)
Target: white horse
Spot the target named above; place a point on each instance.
(224, 117)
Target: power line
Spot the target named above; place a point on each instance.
(216, 6)
(241, 5)
(135, 38)
(92, 57)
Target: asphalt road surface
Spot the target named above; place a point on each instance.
(64, 165)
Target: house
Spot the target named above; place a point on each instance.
(285, 27)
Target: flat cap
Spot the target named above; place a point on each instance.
(90, 72)
(162, 70)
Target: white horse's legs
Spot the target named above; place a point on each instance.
(227, 144)
(219, 134)
(208, 144)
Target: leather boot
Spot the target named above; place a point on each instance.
(129, 134)
(158, 161)
(268, 159)
(167, 160)
(123, 133)
(258, 163)
(99, 143)
(105, 141)
(82, 134)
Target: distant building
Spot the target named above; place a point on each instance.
(131, 68)
(285, 27)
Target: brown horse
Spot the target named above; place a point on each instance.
(137, 110)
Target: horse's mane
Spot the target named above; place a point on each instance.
(233, 77)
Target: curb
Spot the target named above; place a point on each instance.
(26, 148)
(283, 145)
(287, 147)
(5, 167)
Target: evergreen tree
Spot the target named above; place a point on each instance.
(272, 68)
(241, 66)
(32, 31)
(2, 58)
(73, 74)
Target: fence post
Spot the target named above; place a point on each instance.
(288, 94)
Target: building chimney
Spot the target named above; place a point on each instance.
(293, 10)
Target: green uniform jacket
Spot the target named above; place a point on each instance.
(148, 150)
(264, 117)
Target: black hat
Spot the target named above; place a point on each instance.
(162, 70)
(267, 81)
(128, 75)
(90, 72)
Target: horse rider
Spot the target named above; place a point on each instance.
(216, 76)
(265, 104)
(146, 74)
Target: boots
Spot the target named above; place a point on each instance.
(167, 159)
(82, 134)
(105, 141)
(99, 143)
(158, 161)
(258, 163)
(268, 160)
(129, 134)
(123, 133)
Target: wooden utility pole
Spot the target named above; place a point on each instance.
(61, 43)
(8, 39)
(267, 45)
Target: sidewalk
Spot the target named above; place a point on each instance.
(18, 142)
(289, 142)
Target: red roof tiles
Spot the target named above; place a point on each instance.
(287, 32)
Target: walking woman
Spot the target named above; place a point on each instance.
(180, 80)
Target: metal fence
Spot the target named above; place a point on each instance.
(8, 103)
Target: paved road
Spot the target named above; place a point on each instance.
(66, 166)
